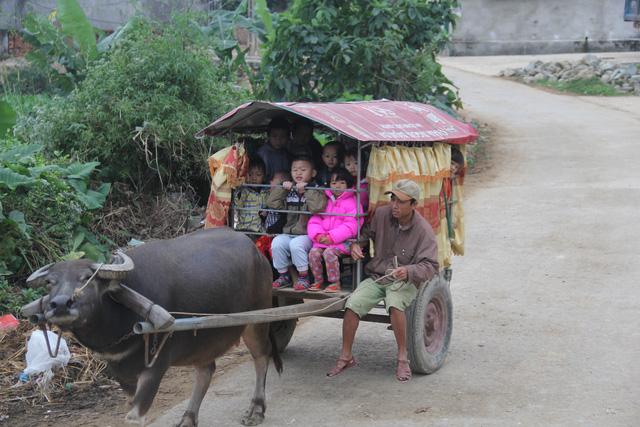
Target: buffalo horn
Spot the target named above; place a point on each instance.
(118, 268)
(37, 278)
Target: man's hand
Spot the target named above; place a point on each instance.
(356, 251)
(400, 273)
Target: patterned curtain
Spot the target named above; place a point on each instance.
(427, 166)
(228, 169)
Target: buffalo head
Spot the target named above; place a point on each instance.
(76, 287)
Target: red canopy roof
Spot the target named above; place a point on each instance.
(384, 120)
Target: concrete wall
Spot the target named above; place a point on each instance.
(521, 27)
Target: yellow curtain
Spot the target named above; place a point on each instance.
(427, 166)
(457, 209)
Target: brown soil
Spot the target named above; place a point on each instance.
(83, 393)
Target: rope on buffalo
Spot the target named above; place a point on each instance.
(78, 292)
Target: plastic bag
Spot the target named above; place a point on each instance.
(38, 359)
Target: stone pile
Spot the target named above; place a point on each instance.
(623, 77)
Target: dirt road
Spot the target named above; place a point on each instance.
(546, 305)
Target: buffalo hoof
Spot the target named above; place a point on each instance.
(134, 419)
(186, 421)
(130, 421)
(252, 419)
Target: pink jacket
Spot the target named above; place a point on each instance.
(340, 228)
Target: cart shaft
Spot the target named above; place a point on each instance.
(313, 308)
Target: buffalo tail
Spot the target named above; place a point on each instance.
(275, 354)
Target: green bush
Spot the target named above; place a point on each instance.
(137, 111)
(323, 50)
(45, 209)
(14, 297)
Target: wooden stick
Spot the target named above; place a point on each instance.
(312, 308)
(143, 306)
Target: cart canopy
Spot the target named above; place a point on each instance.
(384, 121)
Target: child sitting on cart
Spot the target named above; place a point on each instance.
(254, 198)
(332, 155)
(457, 164)
(351, 164)
(273, 151)
(274, 221)
(330, 233)
(294, 245)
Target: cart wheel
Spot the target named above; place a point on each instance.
(429, 326)
(283, 329)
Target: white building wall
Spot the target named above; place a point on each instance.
(517, 27)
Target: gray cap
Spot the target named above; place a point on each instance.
(405, 189)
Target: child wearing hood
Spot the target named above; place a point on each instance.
(330, 233)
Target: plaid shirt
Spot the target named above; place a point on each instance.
(256, 199)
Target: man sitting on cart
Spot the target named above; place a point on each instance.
(406, 255)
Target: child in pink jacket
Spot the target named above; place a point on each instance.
(330, 233)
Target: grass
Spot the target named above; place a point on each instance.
(593, 87)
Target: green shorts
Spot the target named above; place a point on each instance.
(369, 293)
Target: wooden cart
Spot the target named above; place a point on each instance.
(364, 124)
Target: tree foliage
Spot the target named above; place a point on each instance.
(138, 109)
(326, 50)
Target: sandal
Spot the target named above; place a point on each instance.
(302, 286)
(281, 282)
(315, 287)
(403, 373)
(332, 288)
(337, 370)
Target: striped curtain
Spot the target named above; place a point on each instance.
(427, 166)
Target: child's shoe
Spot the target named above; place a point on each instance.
(303, 284)
(332, 288)
(316, 287)
(284, 281)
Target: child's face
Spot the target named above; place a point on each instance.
(278, 138)
(255, 176)
(302, 171)
(330, 156)
(337, 184)
(277, 179)
(455, 167)
(351, 164)
(302, 135)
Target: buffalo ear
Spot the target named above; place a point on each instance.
(119, 267)
(38, 277)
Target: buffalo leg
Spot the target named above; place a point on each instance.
(148, 384)
(129, 393)
(203, 376)
(256, 338)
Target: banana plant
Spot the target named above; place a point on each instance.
(64, 43)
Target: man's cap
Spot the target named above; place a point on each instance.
(405, 189)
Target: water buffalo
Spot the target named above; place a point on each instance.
(209, 271)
